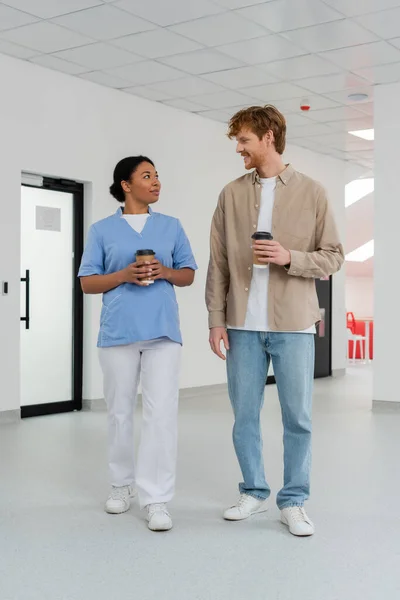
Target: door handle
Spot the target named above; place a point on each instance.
(26, 280)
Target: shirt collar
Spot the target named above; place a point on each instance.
(285, 176)
(120, 213)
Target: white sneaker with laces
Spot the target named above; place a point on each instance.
(158, 517)
(295, 517)
(119, 500)
(245, 507)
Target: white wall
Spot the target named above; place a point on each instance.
(360, 296)
(387, 218)
(57, 125)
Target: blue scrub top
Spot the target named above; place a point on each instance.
(131, 313)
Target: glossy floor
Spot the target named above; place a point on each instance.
(57, 543)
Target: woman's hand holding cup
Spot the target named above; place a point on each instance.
(138, 273)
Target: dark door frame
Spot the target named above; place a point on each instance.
(34, 410)
(271, 378)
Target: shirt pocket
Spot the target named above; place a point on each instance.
(300, 225)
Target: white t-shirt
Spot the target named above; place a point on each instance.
(257, 306)
(137, 222)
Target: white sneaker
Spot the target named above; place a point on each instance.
(245, 507)
(119, 500)
(295, 517)
(158, 517)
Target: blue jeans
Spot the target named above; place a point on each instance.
(248, 359)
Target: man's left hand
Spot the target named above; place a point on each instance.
(159, 271)
(270, 251)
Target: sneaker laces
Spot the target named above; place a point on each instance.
(120, 493)
(158, 507)
(242, 502)
(298, 514)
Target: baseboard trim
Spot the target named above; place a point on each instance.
(99, 404)
(385, 406)
(10, 416)
(204, 390)
(338, 373)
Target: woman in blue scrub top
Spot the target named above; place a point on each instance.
(139, 336)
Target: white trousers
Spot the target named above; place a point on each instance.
(156, 364)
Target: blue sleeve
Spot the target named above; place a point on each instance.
(92, 262)
(183, 256)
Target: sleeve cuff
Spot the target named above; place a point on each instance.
(296, 267)
(216, 318)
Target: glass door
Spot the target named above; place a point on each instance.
(51, 300)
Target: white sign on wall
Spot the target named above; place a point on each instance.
(48, 218)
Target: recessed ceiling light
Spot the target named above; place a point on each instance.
(358, 97)
(362, 253)
(364, 134)
(357, 189)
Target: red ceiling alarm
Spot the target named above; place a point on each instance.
(305, 105)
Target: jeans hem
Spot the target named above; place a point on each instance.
(261, 498)
(291, 505)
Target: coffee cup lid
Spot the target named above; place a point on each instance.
(144, 252)
(262, 235)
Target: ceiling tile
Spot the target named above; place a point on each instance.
(351, 8)
(367, 108)
(157, 43)
(394, 42)
(106, 79)
(103, 22)
(9, 18)
(380, 74)
(384, 23)
(99, 56)
(57, 64)
(184, 104)
(146, 72)
(169, 13)
(343, 96)
(47, 9)
(365, 55)
(215, 115)
(45, 37)
(202, 61)
(276, 91)
(330, 36)
(16, 51)
(296, 120)
(332, 83)
(300, 67)
(284, 15)
(364, 122)
(148, 93)
(261, 50)
(224, 99)
(238, 3)
(241, 78)
(309, 130)
(186, 87)
(339, 113)
(220, 29)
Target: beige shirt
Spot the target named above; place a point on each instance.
(301, 221)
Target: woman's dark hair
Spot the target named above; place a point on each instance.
(123, 172)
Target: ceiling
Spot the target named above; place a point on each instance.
(214, 56)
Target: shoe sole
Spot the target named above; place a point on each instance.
(160, 530)
(284, 522)
(256, 512)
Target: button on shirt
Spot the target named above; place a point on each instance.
(131, 313)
